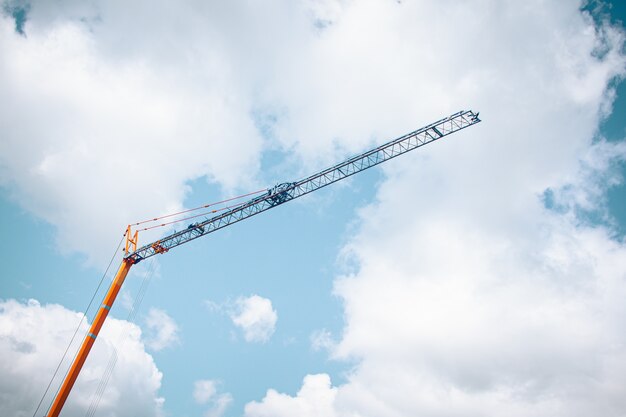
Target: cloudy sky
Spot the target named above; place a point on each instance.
(483, 275)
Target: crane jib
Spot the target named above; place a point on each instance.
(284, 192)
(275, 196)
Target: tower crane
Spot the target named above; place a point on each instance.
(273, 197)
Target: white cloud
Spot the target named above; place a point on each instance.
(322, 340)
(221, 403)
(470, 296)
(33, 338)
(96, 137)
(255, 316)
(316, 398)
(161, 330)
(489, 325)
(205, 392)
(586, 192)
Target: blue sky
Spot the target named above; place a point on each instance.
(441, 283)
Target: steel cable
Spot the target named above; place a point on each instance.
(199, 207)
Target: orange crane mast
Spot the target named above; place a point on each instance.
(103, 312)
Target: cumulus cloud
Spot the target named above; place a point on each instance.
(316, 398)
(255, 316)
(97, 134)
(33, 338)
(205, 392)
(473, 294)
(517, 324)
(161, 330)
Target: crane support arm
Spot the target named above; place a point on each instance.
(89, 340)
(288, 191)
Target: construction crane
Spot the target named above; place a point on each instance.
(273, 197)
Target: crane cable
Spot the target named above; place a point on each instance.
(104, 379)
(187, 218)
(197, 208)
(78, 327)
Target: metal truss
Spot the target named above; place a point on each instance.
(288, 191)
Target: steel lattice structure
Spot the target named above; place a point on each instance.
(288, 191)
